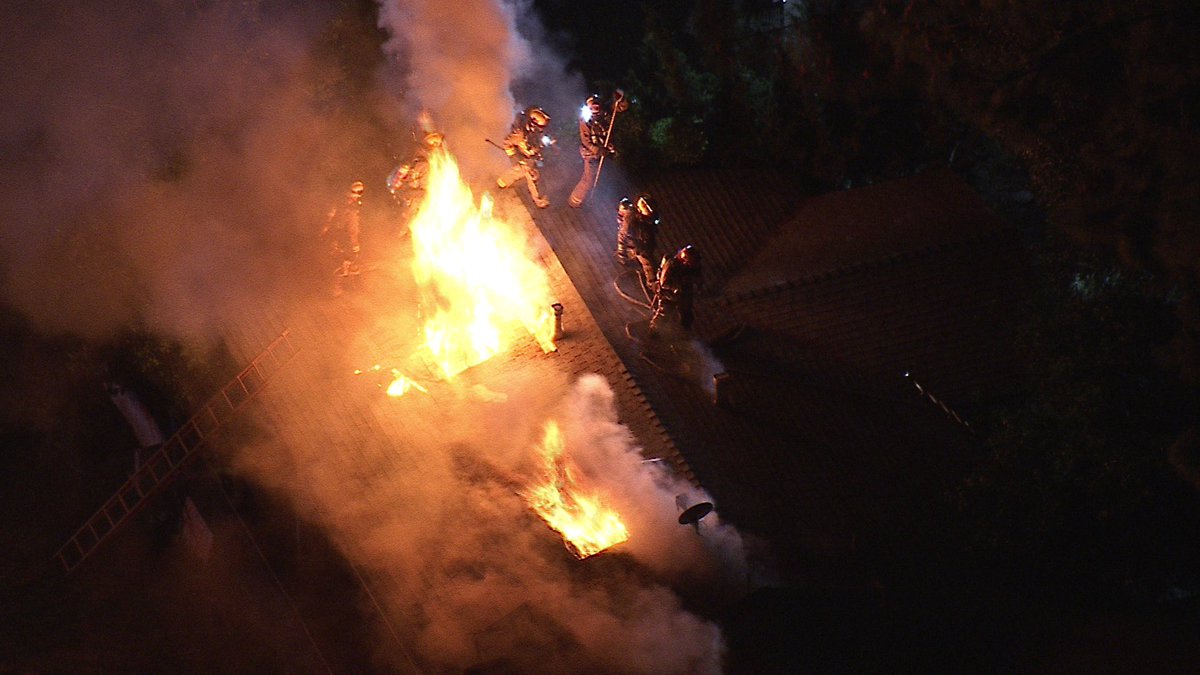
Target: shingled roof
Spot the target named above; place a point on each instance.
(815, 308)
(911, 276)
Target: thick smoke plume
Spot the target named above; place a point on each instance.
(470, 576)
(472, 65)
(164, 163)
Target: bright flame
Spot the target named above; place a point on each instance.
(585, 113)
(586, 525)
(402, 384)
(476, 279)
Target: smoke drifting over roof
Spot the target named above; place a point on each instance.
(438, 523)
(472, 65)
(163, 161)
(166, 162)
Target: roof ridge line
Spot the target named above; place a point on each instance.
(859, 266)
(861, 385)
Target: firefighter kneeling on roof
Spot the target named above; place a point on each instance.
(525, 145)
(679, 279)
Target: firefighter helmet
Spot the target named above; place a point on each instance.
(537, 117)
(645, 205)
(625, 205)
(595, 103)
(688, 256)
(357, 188)
(434, 140)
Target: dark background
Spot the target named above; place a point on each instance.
(1075, 122)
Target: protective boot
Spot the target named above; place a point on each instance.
(584, 186)
(538, 200)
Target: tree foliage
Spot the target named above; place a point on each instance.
(1078, 479)
(1096, 99)
(1075, 117)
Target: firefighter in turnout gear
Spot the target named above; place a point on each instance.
(595, 133)
(679, 279)
(407, 181)
(525, 145)
(342, 227)
(637, 232)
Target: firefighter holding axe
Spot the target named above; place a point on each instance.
(595, 135)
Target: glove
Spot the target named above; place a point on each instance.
(620, 103)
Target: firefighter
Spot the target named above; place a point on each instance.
(342, 227)
(407, 181)
(679, 280)
(637, 232)
(524, 145)
(595, 130)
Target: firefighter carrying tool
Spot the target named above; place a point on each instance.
(595, 133)
(525, 145)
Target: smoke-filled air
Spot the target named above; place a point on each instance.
(182, 185)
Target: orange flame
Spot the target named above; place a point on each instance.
(585, 523)
(476, 278)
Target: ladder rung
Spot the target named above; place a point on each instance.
(101, 526)
(175, 451)
(71, 555)
(114, 506)
(190, 436)
(130, 496)
(252, 379)
(159, 466)
(87, 539)
(145, 483)
(220, 410)
(235, 394)
(206, 421)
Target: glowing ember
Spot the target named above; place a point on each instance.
(476, 279)
(586, 525)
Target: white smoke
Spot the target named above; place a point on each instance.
(434, 514)
(707, 366)
(462, 62)
(165, 163)
(648, 495)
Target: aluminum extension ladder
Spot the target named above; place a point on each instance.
(161, 467)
